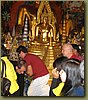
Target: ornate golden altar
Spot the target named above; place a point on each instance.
(40, 36)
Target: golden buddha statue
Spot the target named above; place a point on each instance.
(44, 31)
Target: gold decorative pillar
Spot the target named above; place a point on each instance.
(33, 28)
(49, 57)
(64, 33)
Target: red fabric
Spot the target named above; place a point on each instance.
(77, 57)
(38, 67)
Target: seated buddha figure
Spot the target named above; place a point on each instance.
(44, 31)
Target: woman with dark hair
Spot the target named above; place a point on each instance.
(73, 78)
(10, 72)
(55, 81)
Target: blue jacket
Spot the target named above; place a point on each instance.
(76, 91)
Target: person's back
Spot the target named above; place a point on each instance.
(40, 76)
(39, 68)
(11, 75)
(72, 69)
(10, 72)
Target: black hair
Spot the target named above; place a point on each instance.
(75, 46)
(3, 51)
(22, 48)
(2, 41)
(57, 63)
(22, 63)
(72, 69)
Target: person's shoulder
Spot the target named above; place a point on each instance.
(4, 58)
(31, 55)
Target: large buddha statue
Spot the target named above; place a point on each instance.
(44, 31)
